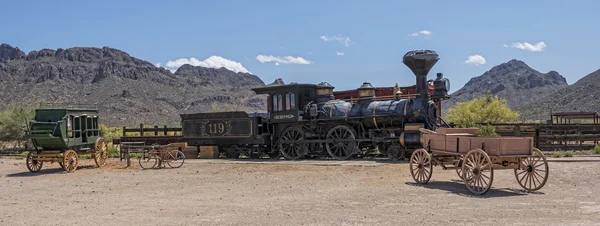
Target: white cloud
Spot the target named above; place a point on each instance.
(282, 60)
(538, 47)
(475, 60)
(339, 53)
(157, 64)
(426, 33)
(340, 38)
(211, 62)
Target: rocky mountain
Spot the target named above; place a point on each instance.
(514, 81)
(126, 90)
(581, 96)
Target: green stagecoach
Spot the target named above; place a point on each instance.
(60, 135)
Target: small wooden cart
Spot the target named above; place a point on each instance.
(475, 158)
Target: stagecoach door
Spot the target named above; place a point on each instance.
(84, 129)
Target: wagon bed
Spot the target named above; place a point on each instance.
(475, 158)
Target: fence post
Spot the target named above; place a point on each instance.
(155, 130)
(141, 129)
(124, 133)
(165, 130)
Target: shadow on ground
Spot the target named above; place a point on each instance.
(46, 171)
(459, 188)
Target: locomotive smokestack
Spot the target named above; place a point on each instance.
(420, 62)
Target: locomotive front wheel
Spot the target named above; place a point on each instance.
(101, 152)
(342, 144)
(293, 151)
(420, 166)
(70, 161)
(33, 165)
(477, 171)
(533, 172)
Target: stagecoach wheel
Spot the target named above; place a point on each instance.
(420, 166)
(175, 159)
(101, 152)
(70, 160)
(477, 171)
(533, 174)
(292, 151)
(147, 160)
(337, 147)
(33, 165)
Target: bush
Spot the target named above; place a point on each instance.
(557, 154)
(596, 150)
(14, 121)
(568, 154)
(487, 130)
(489, 108)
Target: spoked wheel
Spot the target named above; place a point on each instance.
(101, 152)
(33, 165)
(147, 160)
(70, 161)
(533, 171)
(293, 151)
(477, 171)
(343, 142)
(176, 159)
(396, 153)
(459, 164)
(420, 166)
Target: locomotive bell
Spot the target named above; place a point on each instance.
(420, 62)
(366, 91)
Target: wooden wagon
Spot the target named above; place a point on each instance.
(475, 158)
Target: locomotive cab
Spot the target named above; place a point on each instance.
(286, 103)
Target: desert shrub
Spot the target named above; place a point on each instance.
(487, 130)
(489, 108)
(596, 150)
(557, 154)
(568, 154)
(113, 152)
(14, 121)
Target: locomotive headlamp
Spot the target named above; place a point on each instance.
(441, 87)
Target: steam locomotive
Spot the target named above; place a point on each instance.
(306, 120)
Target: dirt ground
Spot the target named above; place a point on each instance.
(227, 192)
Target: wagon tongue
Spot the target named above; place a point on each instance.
(420, 62)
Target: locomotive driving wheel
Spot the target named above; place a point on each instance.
(101, 152)
(293, 151)
(33, 165)
(533, 172)
(420, 166)
(342, 142)
(70, 160)
(477, 171)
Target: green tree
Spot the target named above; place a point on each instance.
(485, 109)
(14, 120)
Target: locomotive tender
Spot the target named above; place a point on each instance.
(305, 120)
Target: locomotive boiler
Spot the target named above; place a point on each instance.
(306, 120)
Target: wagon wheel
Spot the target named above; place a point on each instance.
(420, 166)
(533, 174)
(70, 160)
(293, 151)
(175, 159)
(477, 171)
(33, 165)
(459, 164)
(101, 152)
(338, 149)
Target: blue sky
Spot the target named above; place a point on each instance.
(379, 34)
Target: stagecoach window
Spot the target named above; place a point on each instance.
(77, 126)
(70, 126)
(89, 126)
(95, 123)
(292, 101)
(279, 102)
(274, 102)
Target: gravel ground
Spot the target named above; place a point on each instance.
(221, 192)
